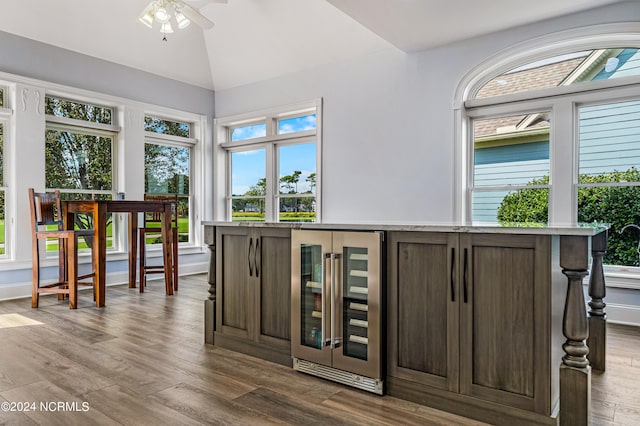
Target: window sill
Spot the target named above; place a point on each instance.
(623, 278)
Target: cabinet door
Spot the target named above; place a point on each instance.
(423, 299)
(233, 311)
(272, 248)
(310, 304)
(357, 295)
(505, 319)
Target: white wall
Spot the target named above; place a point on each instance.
(388, 123)
(388, 129)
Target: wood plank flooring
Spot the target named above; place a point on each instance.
(141, 360)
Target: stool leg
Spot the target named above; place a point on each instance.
(72, 263)
(142, 244)
(174, 263)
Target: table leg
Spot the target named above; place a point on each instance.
(100, 239)
(133, 248)
(167, 237)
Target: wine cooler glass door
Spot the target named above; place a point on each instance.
(357, 293)
(312, 296)
(355, 290)
(310, 280)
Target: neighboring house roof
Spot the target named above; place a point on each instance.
(527, 79)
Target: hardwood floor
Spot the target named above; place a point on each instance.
(141, 360)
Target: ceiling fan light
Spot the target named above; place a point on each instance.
(166, 28)
(162, 15)
(182, 20)
(147, 19)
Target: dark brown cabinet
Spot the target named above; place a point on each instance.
(253, 303)
(473, 323)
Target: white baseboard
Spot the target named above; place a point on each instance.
(21, 290)
(623, 314)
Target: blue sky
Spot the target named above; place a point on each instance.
(248, 167)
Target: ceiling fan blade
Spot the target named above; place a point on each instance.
(197, 4)
(195, 16)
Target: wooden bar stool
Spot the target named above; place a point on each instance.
(152, 226)
(46, 223)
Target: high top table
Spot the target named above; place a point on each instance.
(99, 210)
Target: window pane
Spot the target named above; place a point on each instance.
(1, 97)
(620, 207)
(511, 207)
(297, 168)
(297, 175)
(511, 150)
(166, 127)
(609, 140)
(78, 111)
(564, 70)
(167, 169)
(2, 206)
(78, 161)
(609, 156)
(1, 154)
(248, 184)
(249, 132)
(297, 124)
(297, 209)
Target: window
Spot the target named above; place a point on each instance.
(3, 190)
(79, 144)
(79, 152)
(167, 166)
(609, 174)
(273, 164)
(510, 166)
(557, 141)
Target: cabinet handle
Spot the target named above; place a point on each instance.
(257, 257)
(249, 257)
(333, 301)
(466, 277)
(453, 270)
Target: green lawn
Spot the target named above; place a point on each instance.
(52, 245)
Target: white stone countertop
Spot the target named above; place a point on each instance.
(477, 228)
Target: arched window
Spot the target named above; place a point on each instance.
(552, 135)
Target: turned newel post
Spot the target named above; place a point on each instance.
(210, 303)
(575, 372)
(597, 341)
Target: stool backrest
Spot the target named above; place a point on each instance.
(152, 220)
(46, 209)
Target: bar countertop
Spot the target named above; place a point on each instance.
(588, 229)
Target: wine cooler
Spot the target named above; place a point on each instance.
(336, 306)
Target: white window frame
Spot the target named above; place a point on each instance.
(270, 143)
(5, 117)
(91, 128)
(182, 142)
(562, 102)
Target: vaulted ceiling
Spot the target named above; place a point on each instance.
(253, 40)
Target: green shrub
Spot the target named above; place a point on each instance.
(616, 205)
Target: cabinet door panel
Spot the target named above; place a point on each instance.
(233, 308)
(503, 318)
(423, 309)
(505, 323)
(274, 275)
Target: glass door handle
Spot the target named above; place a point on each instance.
(334, 319)
(324, 341)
